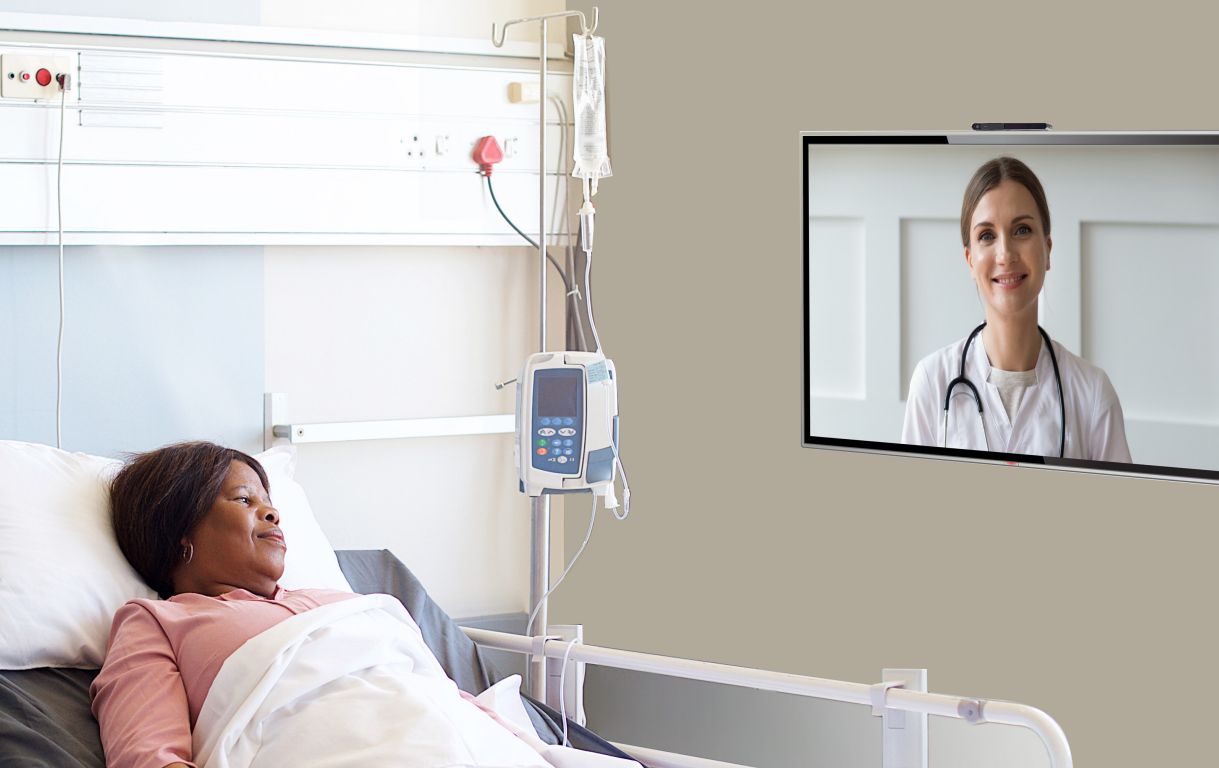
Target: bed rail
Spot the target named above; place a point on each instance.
(654, 758)
(878, 697)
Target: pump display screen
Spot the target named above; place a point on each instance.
(557, 396)
(558, 420)
(1026, 297)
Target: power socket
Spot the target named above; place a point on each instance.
(524, 93)
(19, 76)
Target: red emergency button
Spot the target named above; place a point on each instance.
(541, 451)
(43, 77)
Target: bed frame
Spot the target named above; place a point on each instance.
(880, 696)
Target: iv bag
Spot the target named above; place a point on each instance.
(591, 152)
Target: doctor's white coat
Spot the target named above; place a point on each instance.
(1096, 429)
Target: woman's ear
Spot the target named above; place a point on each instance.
(1049, 246)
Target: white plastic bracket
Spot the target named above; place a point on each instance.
(539, 645)
(879, 691)
(274, 411)
(904, 734)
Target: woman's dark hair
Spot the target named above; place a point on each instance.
(160, 497)
(992, 174)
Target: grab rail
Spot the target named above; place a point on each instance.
(396, 428)
(972, 710)
(277, 425)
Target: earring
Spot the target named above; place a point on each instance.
(188, 552)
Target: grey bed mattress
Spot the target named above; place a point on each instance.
(45, 720)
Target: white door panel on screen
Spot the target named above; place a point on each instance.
(1133, 284)
(290, 150)
(836, 307)
(1171, 309)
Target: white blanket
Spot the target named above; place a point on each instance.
(350, 683)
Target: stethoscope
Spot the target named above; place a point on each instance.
(1062, 405)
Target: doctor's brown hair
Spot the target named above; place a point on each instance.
(159, 498)
(991, 174)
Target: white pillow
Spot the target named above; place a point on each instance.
(62, 576)
(310, 561)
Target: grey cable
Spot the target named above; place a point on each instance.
(558, 165)
(566, 160)
(588, 298)
(63, 98)
(592, 518)
(567, 169)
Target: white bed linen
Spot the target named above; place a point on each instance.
(350, 683)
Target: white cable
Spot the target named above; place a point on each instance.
(626, 488)
(563, 689)
(63, 97)
(592, 323)
(592, 518)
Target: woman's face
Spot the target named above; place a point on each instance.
(239, 544)
(1009, 252)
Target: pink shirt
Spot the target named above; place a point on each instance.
(162, 659)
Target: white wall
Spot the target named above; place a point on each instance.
(389, 333)
(366, 333)
(452, 18)
(382, 333)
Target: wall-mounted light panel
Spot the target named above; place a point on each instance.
(267, 149)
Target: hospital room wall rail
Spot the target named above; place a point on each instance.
(878, 697)
(277, 426)
(396, 428)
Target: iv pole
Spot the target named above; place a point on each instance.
(539, 506)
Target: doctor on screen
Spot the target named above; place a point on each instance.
(1006, 386)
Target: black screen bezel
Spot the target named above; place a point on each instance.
(943, 138)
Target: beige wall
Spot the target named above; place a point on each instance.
(1089, 597)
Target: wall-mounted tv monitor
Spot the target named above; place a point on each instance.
(1057, 291)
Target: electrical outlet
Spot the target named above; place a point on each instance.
(32, 77)
(524, 93)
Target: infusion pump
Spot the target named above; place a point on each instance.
(566, 422)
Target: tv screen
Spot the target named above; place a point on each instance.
(1057, 291)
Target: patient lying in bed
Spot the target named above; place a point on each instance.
(231, 670)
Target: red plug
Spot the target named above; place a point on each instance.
(487, 153)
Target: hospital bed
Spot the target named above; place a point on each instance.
(57, 501)
(45, 719)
